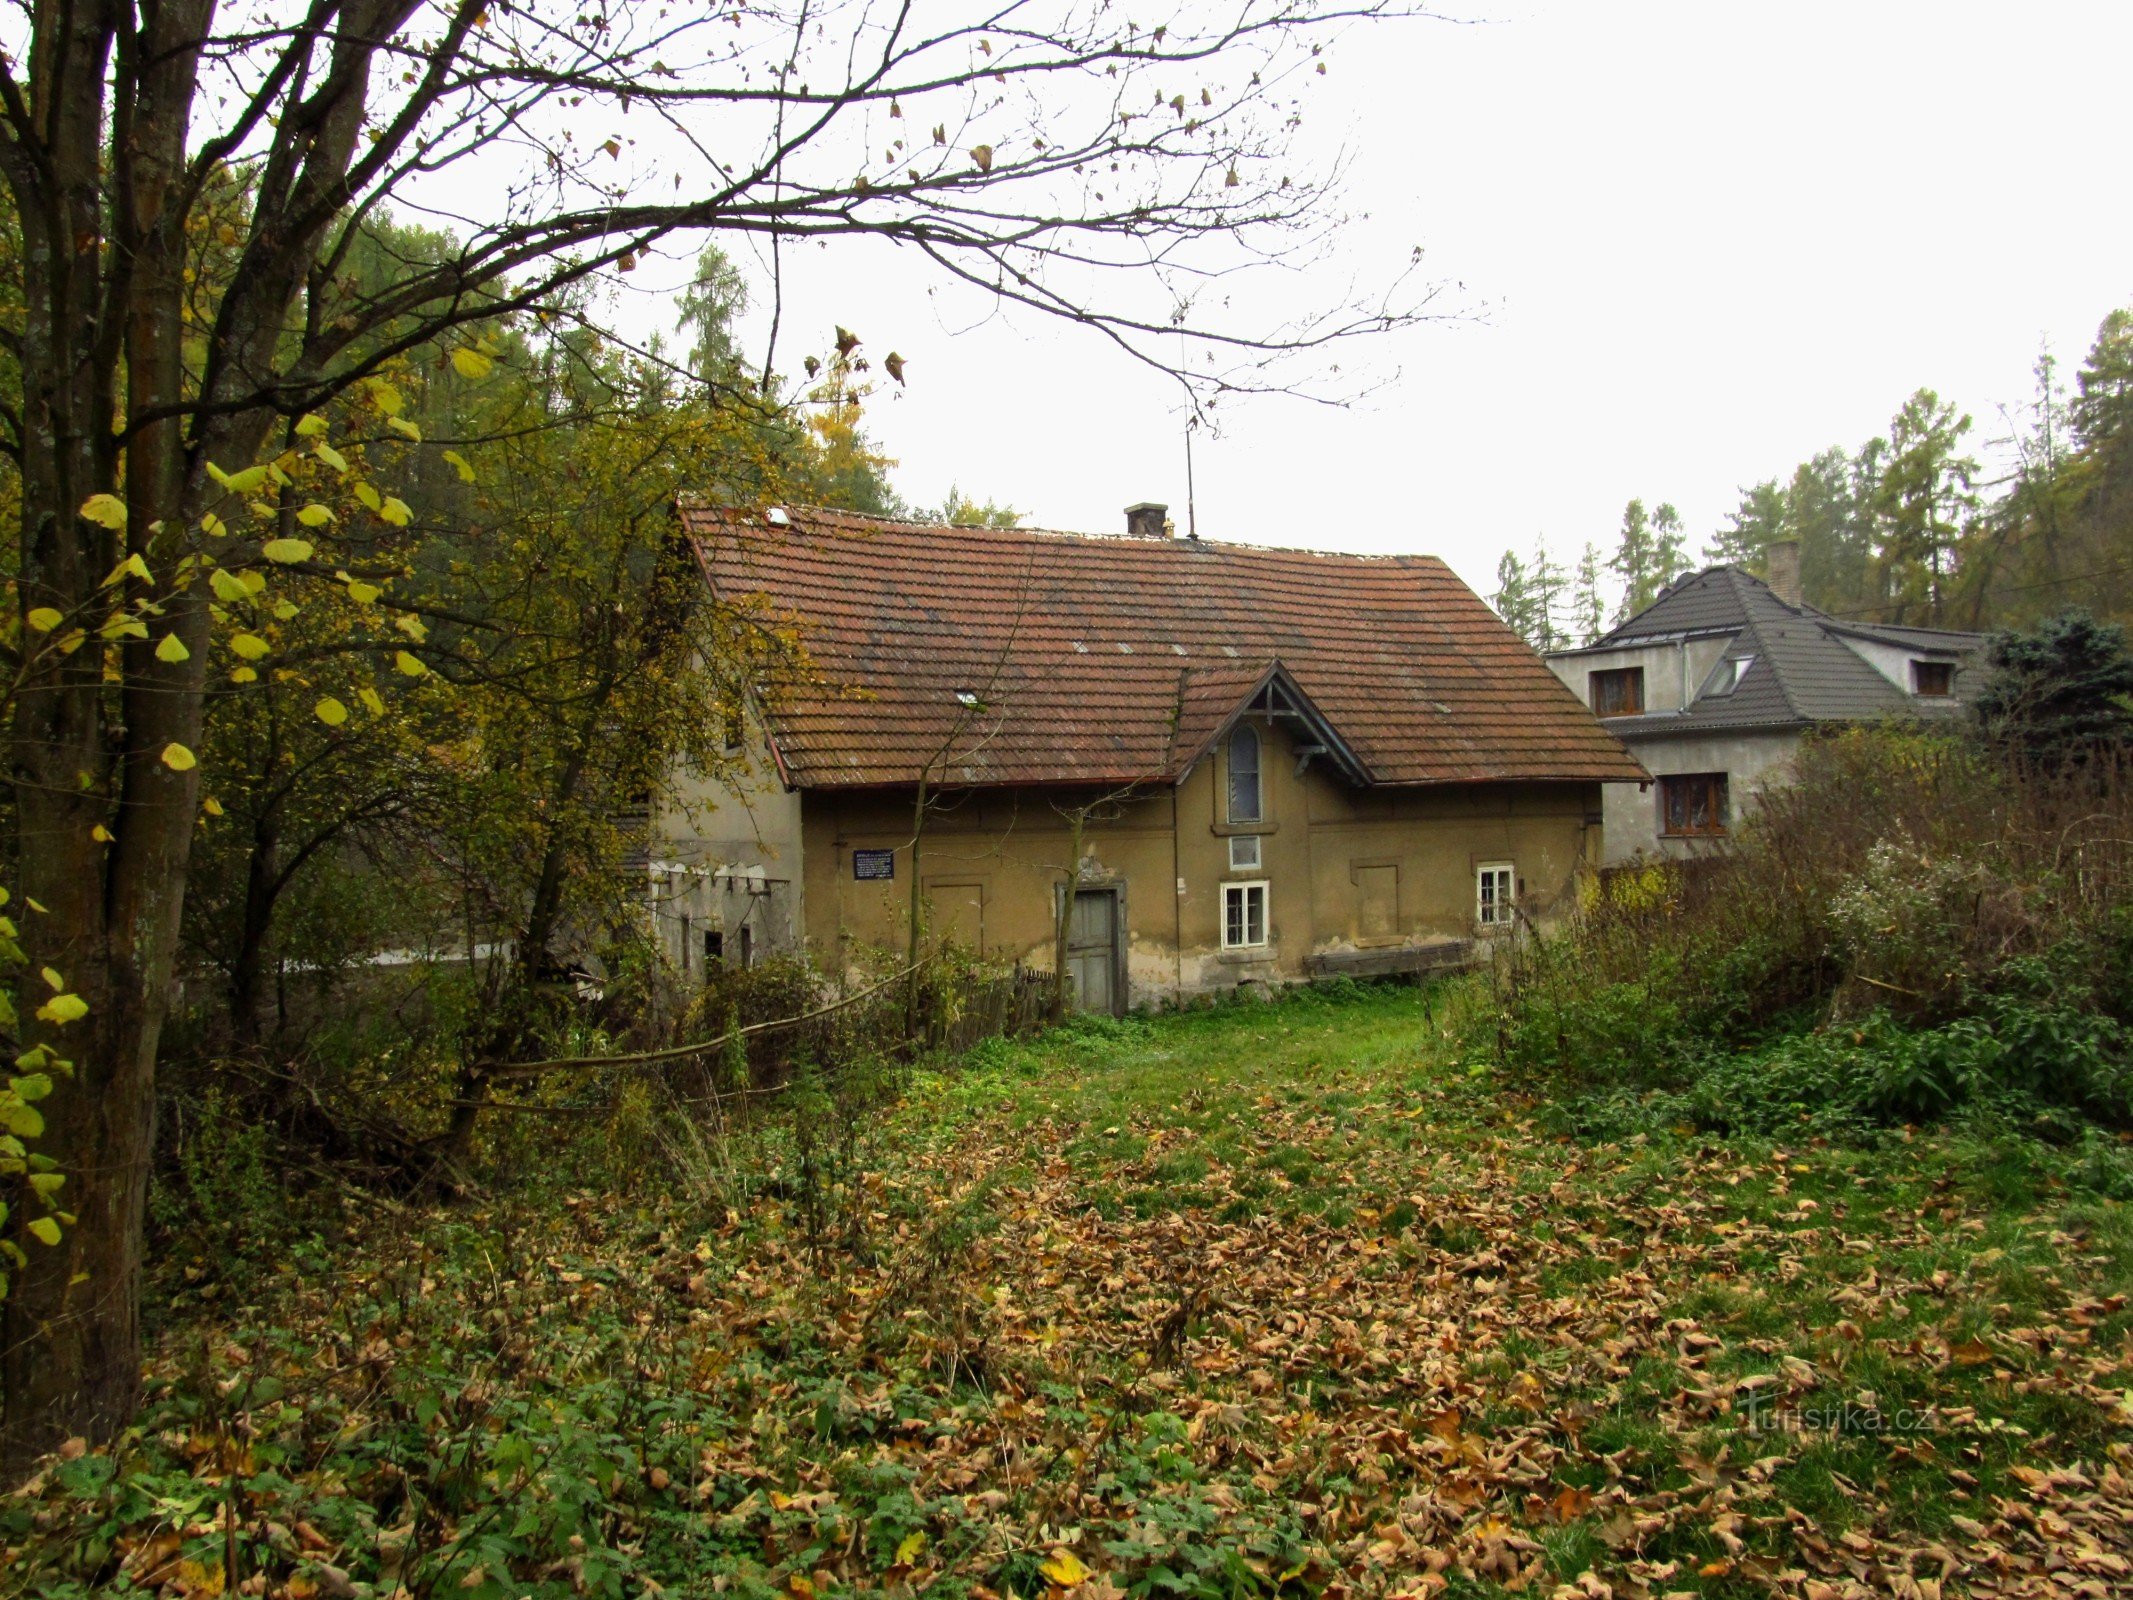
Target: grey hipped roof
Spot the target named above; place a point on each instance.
(1803, 671)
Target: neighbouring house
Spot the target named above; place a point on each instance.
(1715, 683)
(1194, 765)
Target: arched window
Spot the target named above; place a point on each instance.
(1244, 803)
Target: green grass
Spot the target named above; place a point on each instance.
(1245, 1300)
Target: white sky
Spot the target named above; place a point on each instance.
(1703, 241)
(1697, 243)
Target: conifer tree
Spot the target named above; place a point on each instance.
(1750, 527)
(1634, 561)
(1588, 611)
(1545, 585)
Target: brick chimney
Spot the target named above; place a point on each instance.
(1149, 519)
(1782, 562)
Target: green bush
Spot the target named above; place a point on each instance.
(1914, 929)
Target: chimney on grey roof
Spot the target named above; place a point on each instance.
(1782, 562)
(1150, 519)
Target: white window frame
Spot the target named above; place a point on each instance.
(1245, 854)
(1233, 893)
(1498, 910)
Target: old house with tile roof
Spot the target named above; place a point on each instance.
(1220, 764)
(1714, 685)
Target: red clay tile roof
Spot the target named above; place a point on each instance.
(1109, 660)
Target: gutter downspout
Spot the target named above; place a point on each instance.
(1177, 905)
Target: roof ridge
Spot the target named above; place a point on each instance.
(1128, 540)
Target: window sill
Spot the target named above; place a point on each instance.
(1230, 830)
(1246, 955)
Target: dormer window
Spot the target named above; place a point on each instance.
(1244, 798)
(1729, 675)
(1618, 692)
(1933, 680)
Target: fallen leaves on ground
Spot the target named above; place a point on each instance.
(1377, 1336)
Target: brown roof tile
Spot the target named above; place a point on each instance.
(1106, 660)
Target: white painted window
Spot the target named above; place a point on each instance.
(1244, 797)
(1244, 853)
(1496, 892)
(1243, 915)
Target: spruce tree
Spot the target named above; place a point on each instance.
(1750, 527)
(1633, 561)
(1587, 611)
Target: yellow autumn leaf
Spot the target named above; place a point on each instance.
(211, 806)
(213, 526)
(370, 497)
(401, 425)
(100, 833)
(314, 516)
(395, 511)
(912, 1547)
(413, 627)
(408, 664)
(309, 425)
(363, 593)
(172, 649)
(105, 510)
(332, 457)
(44, 619)
(373, 702)
(330, 711)
(386, 398)
(471, 363)
(287, 551)
(63, 1008)
(243, 675)
(1065, 1569)
(248, 481)
(461, 465)
(178, 758)
(227, 586)
(132, 567)
(247, 646)
(46, 1229)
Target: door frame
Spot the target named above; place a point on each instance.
(1116, 889)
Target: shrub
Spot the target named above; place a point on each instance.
(1917, 925)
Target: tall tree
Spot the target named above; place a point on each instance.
(1745, 540)
(1670, 544)
(1588, 610)
(1635, 561)
(1924, 503)
(1546, 590)
(1836, 549)
(1513, 599)
(2101, 413)
(155, 415)
(708, 309)
(2021, 541)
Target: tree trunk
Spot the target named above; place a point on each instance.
(70, 1341)
(508, 1030)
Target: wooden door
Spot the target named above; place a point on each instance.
(1092, 950)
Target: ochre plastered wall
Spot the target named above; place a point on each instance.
(1346, 869)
